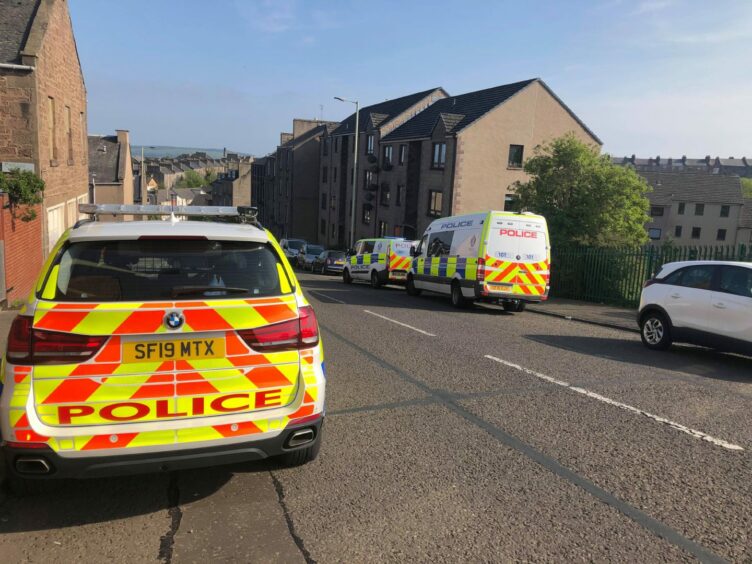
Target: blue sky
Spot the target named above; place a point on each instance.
(653, 77)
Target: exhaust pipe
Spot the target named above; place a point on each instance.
(299, 438)
(33, 466)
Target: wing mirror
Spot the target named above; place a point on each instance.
(413, 251)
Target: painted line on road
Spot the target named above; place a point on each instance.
(673, 424)
(328, 297)
(400, 323)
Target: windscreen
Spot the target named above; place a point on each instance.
(336, 254)
(311, 250)
(167, 269)
(296, 244)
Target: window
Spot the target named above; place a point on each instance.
(434, 203)
(515, 156)
(699, 209)
(334, 174)
(366, 247)
(699, 277)
(438, 158)
(51, 128)
(656, 211)
(654, 233)
(725, 210)
(369, 144)
(721, 235)
(368, 179)
(682, 205)
(336, 144)
(382, 228)
(678, 231)
(736, 280)
(400, 192)
(385, 195)
(161, 270)
(323, 201)
(387, 156)
(323, 227)
(325, 147)
(324, 174)
(69, 134)
(366, 213)
(402, 154)
(334, 228)
(440, 243)
(696, 232)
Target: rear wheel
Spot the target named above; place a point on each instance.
(514, 306)
(410, 286)
(655, 331)
(346, 278)
(458, 300)
(375, 282)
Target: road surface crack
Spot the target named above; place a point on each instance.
(167, 541)
(290, 525)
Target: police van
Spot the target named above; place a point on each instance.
(493, 256)
(380, 261)
(149, 346)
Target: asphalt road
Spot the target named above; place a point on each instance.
(470, 435)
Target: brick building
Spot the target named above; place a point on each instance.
(43, 111)
(111, 169)
(455, 154)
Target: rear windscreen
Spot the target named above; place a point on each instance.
(401, 248)
(167, 269)
(517, 240)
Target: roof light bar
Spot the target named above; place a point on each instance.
(134, 209)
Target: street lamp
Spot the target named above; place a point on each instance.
(355, 169)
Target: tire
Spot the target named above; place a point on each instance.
(516, 306)
(346, 278)
(410, 287)
(655, 331)
(375, 282)
(458, 300)
(302, 455)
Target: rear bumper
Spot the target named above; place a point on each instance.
(154, 462)
(338, 268)
(483, 293)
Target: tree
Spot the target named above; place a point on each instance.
(747, 187)
(191, 179)
(210, 177)
(24, 189)
(585, 198)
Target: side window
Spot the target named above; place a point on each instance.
(421, 245)
(674, 279)
(736, 280)
(367, 248)
(440, 243)
(359, 247)
(699, 277)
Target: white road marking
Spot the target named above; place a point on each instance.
(328, 297)
(678, 426)
(400, 323)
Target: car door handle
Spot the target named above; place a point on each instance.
(676, 295)
(719, 305)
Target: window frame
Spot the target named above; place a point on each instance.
(432, 211)
(383, 192)
(325, 174)
(681, 208)
(727, 267)
(386, 156)
(725, 208)
(699, 233)
(699, 210)
(652, 231)
(438, 161)
(515, 165)
(369, 144)
(402, 155)
(718, 234)
(365, 216)
(400, 195)
(678, 229)
(656, 211)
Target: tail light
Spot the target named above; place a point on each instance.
(301, 333)
(480, 274)
(32, 346)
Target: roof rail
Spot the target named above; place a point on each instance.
(246, 214)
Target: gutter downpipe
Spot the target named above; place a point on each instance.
(16, 67)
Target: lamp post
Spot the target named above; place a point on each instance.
(355, 169)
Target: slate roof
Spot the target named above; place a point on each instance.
(105, 159)
(389, 108)
(693, 187)
(16, 17)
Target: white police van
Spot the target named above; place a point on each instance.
(490, 256)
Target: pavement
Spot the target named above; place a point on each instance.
(451, 435)
(598, 314)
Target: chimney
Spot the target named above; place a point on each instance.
(684, 159)
(122, 136)
(633, 158)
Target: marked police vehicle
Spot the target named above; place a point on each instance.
(380, 261)
(491, 256)
(157, 345)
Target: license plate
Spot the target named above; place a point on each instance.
(339, 262)
(501, 287)
(178, 349)
(398, 275)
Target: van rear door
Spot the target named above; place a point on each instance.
(517, 256)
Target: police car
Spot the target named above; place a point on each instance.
(379, 261)
(491, 256)
(149, 346)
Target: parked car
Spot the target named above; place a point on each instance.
(308, 254)
(706, 303)
(291, 248)
(330, 262)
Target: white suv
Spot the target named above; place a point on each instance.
(707, 303)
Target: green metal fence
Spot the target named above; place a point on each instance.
(615, 276)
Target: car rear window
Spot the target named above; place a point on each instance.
(311, 250)
(296, 244)
(145, 270)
